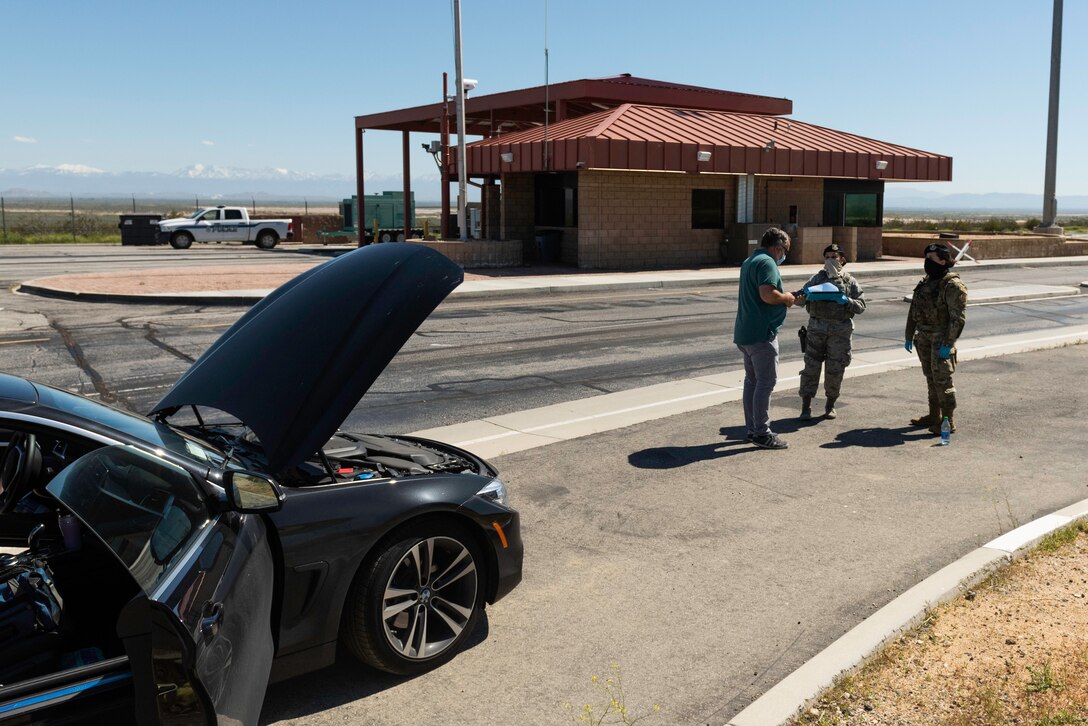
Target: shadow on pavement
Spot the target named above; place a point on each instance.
(673, 457)
(346, 681)
(877, 438)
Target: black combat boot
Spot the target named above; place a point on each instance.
(829, 408)
(806, 408)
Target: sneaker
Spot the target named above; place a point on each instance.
(770, 441)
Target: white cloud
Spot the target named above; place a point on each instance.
(208, 143)
(26, 139)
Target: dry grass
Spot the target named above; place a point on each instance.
(1014, 650)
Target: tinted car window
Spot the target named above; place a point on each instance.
(136, 426)
(233, 214)
(145, 509)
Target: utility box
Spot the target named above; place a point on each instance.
(139, 229)
(387, 208)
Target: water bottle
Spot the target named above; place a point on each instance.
(946, 432)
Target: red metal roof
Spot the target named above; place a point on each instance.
(524, 108)
(667, 139)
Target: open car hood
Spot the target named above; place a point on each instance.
(294, 366)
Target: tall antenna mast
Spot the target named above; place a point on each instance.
(547, 106)
(462, 162)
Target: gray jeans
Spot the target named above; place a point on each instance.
(760, 377)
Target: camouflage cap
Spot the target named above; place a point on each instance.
(833, 247)
(941, 250)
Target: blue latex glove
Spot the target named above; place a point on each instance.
(842, 299)
(909, 345)
(944, 352)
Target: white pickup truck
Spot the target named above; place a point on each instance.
(224, 224)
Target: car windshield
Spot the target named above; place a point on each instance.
(138, 427)
(196, 214)
(144, 509)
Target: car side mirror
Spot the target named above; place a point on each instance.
(249, 492)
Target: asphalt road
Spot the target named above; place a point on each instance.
(706, 569)
(470, 359)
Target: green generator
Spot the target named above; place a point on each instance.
(387, 209)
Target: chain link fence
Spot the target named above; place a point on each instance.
(95, 221)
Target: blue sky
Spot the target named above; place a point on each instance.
(136, 86)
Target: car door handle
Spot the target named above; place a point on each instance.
(210, 619)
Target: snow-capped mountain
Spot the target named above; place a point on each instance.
(198, 180)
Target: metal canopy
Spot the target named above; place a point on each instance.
(655, 138)
(498, 113)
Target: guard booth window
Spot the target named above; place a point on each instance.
(556, 200)
(853, 203)
(707, 208)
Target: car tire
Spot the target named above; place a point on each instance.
(267, 239)
(413, 606)
(181, 241)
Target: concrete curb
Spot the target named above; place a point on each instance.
(796, 691)
(528, 287)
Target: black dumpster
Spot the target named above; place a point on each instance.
(139, 229)
(549, 246)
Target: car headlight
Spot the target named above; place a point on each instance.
(495, 491)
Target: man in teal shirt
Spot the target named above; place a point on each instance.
(761, 310)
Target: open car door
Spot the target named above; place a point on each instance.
(198, 637)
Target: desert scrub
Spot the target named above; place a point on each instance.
(610, 705)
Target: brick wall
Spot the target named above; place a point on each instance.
(775, 195)
(517, 210)
(479, 253)
(869, 243)
(643, 219)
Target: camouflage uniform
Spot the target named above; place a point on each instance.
(830, 327)
(938, 311)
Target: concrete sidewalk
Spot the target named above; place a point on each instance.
(245, 284)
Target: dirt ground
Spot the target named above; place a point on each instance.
(222, 278)
(1013, 651)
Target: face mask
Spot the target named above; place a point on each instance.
(832, 267)
(781, 259)
(935, 270)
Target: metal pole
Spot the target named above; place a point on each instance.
(407, 186)
(253, 202)
(547, 108)
(73, 203)
(1050, 202)
(360, 209)
(306, 205)
(444, 222)
(462, 162)
(4, 218)
(134, 204)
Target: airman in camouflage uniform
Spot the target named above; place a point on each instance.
(938, 311)
(830, 327)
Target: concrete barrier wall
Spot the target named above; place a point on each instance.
(480, 253)
(869, 243)
(986, 247)
(807, 247)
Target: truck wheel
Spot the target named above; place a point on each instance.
(385, 237)
(267, 239)
(181, 241)
(400, 236)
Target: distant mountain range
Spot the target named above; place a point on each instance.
(65, 180)
(998, 203)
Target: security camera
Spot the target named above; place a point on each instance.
(469, 84)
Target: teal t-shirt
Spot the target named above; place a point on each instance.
(756, 320)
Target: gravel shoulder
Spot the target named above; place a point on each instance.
(1014, 650)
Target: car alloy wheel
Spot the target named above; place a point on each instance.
(418, 602)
